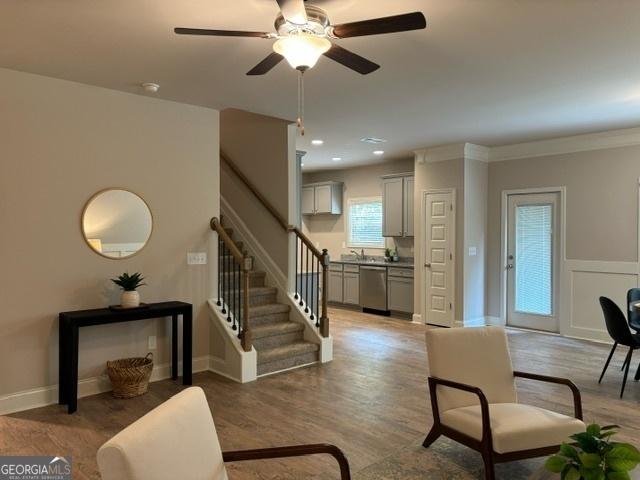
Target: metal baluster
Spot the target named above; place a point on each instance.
(227, 295)
(306, 284)
(232, 293)
(312, 286)
(301, 303)
(238, 316)
(296, 270)
(317, 279)
(219, 303)
(224, 277)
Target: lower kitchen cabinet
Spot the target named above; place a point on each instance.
(400, 292)
(335, 287)
(351, 290)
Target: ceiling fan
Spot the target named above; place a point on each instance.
(304, 33)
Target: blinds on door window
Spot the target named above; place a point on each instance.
(534, 257)
(365, 223)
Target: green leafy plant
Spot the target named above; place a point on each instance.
(594, 456)
(387, 252)
(129, 283)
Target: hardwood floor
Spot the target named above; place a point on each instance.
(371, 401)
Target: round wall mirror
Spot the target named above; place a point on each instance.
(116, 223)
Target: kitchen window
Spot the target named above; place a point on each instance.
(365, 222)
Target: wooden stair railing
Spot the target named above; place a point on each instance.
(312, 274)
(233, 284)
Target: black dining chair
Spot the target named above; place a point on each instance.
(633, 314)
(621, 334)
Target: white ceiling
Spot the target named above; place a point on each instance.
(485, 71)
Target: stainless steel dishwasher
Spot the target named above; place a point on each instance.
(373, 287)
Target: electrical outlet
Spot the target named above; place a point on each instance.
(152, 342)
(198, 258)
(473, 251)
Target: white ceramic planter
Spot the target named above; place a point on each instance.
(130, 299)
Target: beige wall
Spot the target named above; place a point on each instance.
(330, 231)
(262, 148)
(60, 142)
(436, 175)
(601, 204)
(476, 184)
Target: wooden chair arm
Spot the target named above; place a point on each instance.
(292, 451)
(577, 399)
(484, 403)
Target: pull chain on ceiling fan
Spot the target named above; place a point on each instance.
(304, 33)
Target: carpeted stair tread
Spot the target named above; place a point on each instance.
(286, 351)
(269, 309)
(277, 328)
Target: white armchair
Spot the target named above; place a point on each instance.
(178, 439)
(474, 400)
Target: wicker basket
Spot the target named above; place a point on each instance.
(130, 376)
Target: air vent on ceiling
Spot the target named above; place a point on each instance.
(373, 140)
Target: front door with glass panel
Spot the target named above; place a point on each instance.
(532, 261)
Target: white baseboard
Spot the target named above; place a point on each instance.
(496, 321)
(476, 322)
(417, 318)
(43, 396)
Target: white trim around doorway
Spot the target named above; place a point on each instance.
(502, 320)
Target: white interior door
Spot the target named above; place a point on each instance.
(532, 261)
(439, 263)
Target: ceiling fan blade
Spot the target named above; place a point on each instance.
(351, 60)
(266, 65)
(220, 33)
(293, 11)
(376, 26)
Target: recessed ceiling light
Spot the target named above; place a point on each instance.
(379, 152)
(336, 159)
(317, 142)
(373, 140)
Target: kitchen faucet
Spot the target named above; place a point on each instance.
(359, 256)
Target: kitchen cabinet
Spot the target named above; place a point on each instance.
(335, 293)
(400, 290)
(397, 205)
(351, 285)
(325, 197)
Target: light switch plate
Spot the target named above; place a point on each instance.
(198, 258)
(473, 251)
(152, 342)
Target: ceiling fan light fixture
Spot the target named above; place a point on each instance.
(302, 50)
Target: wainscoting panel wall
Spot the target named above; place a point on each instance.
(583, 283)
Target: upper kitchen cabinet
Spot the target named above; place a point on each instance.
(397, 200)
(325, 197)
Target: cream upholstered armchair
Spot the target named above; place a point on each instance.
(474, 401)
(178, 440)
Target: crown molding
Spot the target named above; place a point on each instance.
(557, 146)
(452, 152)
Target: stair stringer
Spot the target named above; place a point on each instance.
(236, 364)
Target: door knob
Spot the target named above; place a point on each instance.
(509, 266)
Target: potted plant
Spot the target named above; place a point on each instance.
(594, 456)
(129, 284)
(387, 254)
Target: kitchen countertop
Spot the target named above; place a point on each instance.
(376, 263)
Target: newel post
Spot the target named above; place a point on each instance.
(246, 338)
(324, 319)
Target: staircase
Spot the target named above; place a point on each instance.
(278, 341)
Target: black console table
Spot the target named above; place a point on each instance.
(69, 327)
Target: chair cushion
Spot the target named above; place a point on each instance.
(475, 356)
(175, 440)
(514, 426)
